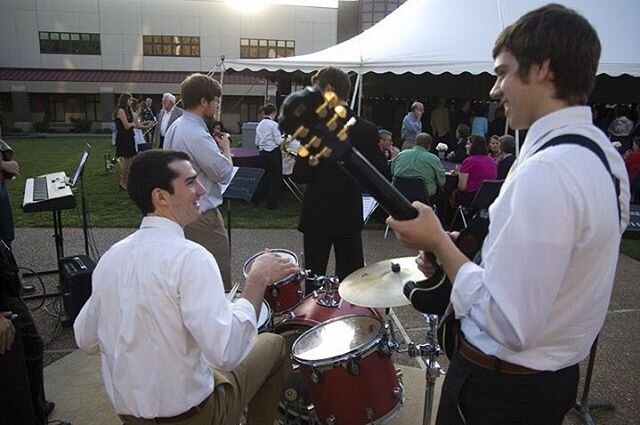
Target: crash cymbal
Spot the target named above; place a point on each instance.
(380, 284)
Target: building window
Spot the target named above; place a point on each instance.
(92, 107)
(259, 48)
(373, 11)
(171, 45)
(55, 107)
(72, 43)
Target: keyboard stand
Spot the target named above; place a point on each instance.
(59, 242)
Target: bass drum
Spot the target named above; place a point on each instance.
(316, 308)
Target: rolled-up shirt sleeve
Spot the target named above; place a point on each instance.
(524, 260)
(224, 331)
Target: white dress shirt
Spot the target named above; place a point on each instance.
(541, 294)
(159, 317)
(189, 134)
(268, 136)
(164, 124)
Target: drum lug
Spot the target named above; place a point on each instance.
(274, 291)
(398, 393)
(315, 375)
(290, 315)
(331, 420)
(399, 374)
(353, 366)
(370, 415)
(295, 367)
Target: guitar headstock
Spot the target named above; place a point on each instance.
(319, 121)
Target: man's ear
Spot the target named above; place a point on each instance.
(543, 71)
(159, 197)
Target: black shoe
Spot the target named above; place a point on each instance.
(48, 407)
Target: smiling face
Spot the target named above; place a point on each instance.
(180, 206)
(519, 98)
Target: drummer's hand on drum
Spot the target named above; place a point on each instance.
(270, 268)
(423, 232)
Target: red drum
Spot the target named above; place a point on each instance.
(346, 364)
(285, 294)
(316, 308)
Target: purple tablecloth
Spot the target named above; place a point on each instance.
(246, 157)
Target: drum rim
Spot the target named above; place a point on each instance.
(269, 316)
(362, 349)
(285, 280)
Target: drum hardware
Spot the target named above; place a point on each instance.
(327, 294)
(430, 350)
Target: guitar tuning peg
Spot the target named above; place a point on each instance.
(333, 122)
(325, 152)
(343, 134)
(341, 111)
(300, 133)
(313, 160)
(330, 99)
(314, 141)
(303, 152)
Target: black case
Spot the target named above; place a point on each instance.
(75, 283)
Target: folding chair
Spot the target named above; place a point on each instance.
(488, 192)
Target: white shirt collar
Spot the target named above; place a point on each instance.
(155, 222)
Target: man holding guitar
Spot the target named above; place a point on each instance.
(533, 307)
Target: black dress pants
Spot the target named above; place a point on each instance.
(273, 167)
(473, 395)
(33, 354)
(348, 254)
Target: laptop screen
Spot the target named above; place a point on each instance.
(80, 166)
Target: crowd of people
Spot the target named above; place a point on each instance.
(175, 349)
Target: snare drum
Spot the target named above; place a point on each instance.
(346, 364)
(316, 308)
(285, 294)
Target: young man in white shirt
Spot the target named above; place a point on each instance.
(268, 140)
(174, 349)
(530, 311)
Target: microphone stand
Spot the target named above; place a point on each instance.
(584, 407)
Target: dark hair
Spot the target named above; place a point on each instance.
(336, 77)
(122, 104)
(150, 170)
(478, 145)
(564, 38)
(463, 131)
(197, 86)
(424, 140)
(508, 144)
(269, 109)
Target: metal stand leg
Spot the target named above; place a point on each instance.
(583, 407)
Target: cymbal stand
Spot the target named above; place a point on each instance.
(429, 351)
(584, 407)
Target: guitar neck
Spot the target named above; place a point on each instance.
(379, 187)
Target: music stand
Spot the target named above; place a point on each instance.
(78, 175)
(243, 186)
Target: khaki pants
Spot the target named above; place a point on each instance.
(209, 231)
(256, 383)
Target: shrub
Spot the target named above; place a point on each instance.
(81, 125)
(41, 125)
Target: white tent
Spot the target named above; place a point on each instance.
(456, 36)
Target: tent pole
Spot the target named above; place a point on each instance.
(355, 91)
(219, 113)
(360, 96)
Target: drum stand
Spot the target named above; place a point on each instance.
(429, 351)
(583, 407)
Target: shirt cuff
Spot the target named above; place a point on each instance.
(244, 311)
(466, 288)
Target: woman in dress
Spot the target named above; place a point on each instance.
(125, 144)
(138, 135)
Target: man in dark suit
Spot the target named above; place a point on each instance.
(167, 115)
(331, 214)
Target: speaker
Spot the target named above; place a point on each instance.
(75, 284)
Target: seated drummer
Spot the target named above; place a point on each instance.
(173, 348)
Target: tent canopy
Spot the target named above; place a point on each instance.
(457, 36)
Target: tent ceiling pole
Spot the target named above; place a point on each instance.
(355, 91)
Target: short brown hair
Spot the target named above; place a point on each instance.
(478, 145)
(424, 140)
(197, 86)
(336, 77)
(563, 37)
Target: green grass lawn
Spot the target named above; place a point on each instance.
(107, 204)
(110, 207)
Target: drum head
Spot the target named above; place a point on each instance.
(265, 315)
(293, 258)
(336, 338)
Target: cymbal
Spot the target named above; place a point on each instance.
(377, 285)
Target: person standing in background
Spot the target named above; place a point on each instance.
(412, 125)
(268, 141)
(167, 115)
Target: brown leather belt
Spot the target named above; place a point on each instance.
(492, 363)
(181, 417)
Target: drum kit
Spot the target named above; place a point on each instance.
(341, 369)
